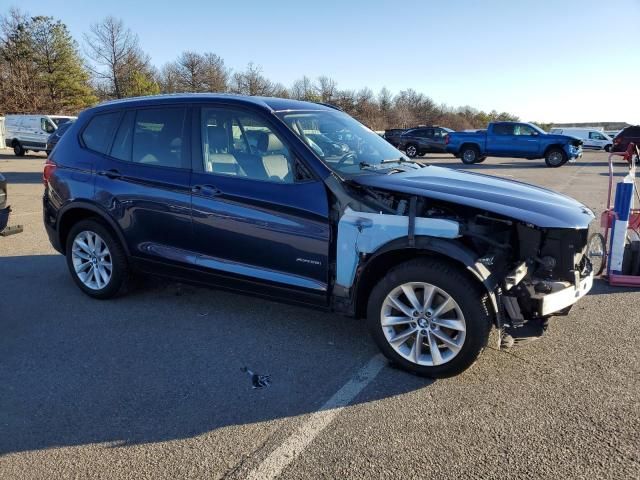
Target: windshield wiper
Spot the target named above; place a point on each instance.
(384, 164)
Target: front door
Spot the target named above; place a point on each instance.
(258, 214)
(144, 182)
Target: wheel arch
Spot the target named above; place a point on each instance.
(398, 251)
(554, 146)
(81, 210)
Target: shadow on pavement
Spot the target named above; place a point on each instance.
(22, 177)
(159, 364)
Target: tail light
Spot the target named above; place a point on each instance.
(49, 168)
(617, 140)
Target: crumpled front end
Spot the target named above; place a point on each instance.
(552, 273)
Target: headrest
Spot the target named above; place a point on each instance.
(268, 142)
(217, 137)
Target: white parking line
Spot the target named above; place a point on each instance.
(295, 444)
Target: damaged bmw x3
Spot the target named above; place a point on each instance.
(298, 201)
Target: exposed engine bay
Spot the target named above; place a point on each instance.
(531, 272)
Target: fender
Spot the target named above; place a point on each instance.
(449, 248)
(94, 208)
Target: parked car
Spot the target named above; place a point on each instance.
(26, 133)
(514, 139)
(432, 257)
(53, 139)
(626, 136)
(612, 133)
(591, 139)
(418, 141)
(393, 136)
(5, 211)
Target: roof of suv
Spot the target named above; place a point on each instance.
(269, 103)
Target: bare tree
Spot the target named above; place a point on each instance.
(120, 65)
(326, 88)
(252, 82)
(304, 89)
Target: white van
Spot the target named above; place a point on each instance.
(30, 132)
(592, 138)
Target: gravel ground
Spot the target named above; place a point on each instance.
(150, 386)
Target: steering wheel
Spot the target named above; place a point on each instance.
(348, 156)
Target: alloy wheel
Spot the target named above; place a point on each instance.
(423, 323)
(92, 260)
(411, 151)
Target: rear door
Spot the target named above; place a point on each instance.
(501, 140)
(258, 214)
(144, 182)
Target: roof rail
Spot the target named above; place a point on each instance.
(330, 105)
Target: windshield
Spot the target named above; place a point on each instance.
(341, 142)
(537, 128)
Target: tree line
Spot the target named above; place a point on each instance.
(44, 69)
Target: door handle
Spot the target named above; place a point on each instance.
(208, 190)
(112, 174)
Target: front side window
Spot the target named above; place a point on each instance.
(340, 141)
(596, 136)
(47, 126)
(244, 145)
(97, 134)
(523, 130)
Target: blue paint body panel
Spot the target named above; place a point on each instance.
(539, 206)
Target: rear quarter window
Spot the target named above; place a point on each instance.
(99, 131)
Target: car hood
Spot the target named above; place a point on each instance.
(520, 201)
(563, 138)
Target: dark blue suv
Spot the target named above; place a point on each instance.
(247, 194)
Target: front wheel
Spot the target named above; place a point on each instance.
(429, 318)
(96, 260)
(555, 158)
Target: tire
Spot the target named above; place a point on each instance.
(18, 149)
(607, 148)
(555, 157)
(596, 253)
(469, 155)
(469, 312)
(78, 256)
(411, 150)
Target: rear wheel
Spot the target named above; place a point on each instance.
(96, 260)
(411, 150)
(607, 148)
(469, 155)
(18, 149)
(556, 157)
(429, 318)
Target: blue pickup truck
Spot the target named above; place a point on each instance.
(513, 139)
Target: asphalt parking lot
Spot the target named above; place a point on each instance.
(150, 385)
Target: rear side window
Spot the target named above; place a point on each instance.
(98, 133)
(152, 137)
(503, 129)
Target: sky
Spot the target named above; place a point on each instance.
(545, 60)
